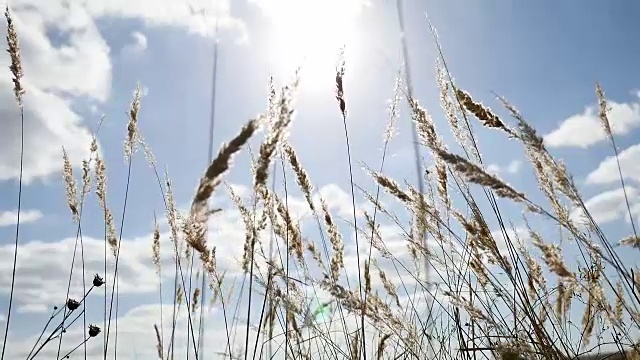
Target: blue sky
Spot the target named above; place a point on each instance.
(82, 61)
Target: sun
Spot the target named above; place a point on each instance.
(310, 34)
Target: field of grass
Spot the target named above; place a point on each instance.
(456, 289)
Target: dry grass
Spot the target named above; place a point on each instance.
(492, 300)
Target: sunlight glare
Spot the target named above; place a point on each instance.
(310, 33)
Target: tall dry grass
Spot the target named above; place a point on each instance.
(479, 297)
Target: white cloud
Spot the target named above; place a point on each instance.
(137, 46)
(76, 62)
(512, 168)
(583, 130)
(43, 270)
(607, 171)
(76, 66)
(81, 65)
(338, 200)
(65, 58)
(136, 336)
(609, 206)
(43, 273)
(197, 16)
(8, 218)
(43, 267)
(513, 235)
(49, 124)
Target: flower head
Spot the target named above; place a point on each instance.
(97, 280)
(72, 304)
(93, 331)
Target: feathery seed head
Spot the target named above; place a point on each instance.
(132, 125)
(14, 53)
(603, 109)
(484, 114)
(477, 175)
(218, 167)
(393, 108)
(70, 185)
(340, 69)
(155, 247)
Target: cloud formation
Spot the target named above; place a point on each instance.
(8, 218)
(43, 270)
(609, 205)
(66, 59)
(512, 167)
(76, 64)
(585, 129)
(43, 266)
(137, 45)
(607, 170)
(50, 124)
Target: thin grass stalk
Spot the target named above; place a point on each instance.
(84, 289)
(199, 207)
(268, 296)
(270, 274)
(251, 270)
(414, 127)
(287, 273)
(489, 194)
(54, 314)
(104, 310)
(214, 75)
(177, 267)
(387, 139)
(189, 291)
(16, 70)
(115, 273)
(157, 262)
(306, 187)
(612, 140)
(61, 326)
(265, 303)
(342, 105)
(77, 214)
(117, 297)
(129, 149)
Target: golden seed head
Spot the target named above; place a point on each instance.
(14, 53)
